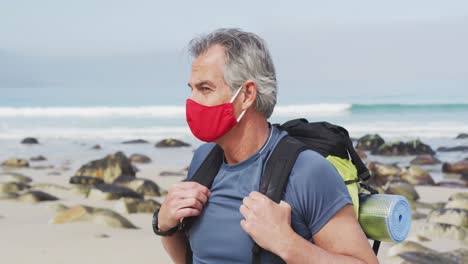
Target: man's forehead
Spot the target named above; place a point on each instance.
(209, 64)
(213, 56)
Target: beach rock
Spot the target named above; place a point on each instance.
(459, 196)
(110, 218)
(95, 215)
(457, 217)
(428, 257)
(54, 173)
(462, 136)
(38, 158)
(452, 149)
(431, 206)
(30, 140)
(96, 147)
(405, 189)
(381, 173)
(131, 206)
(139, 158)
(85, 180)
(48, 187)
(172, 173)
(112, 192)
(416, 176)
(15, 163)
(370, 142)
(108, 168)
(437, 230)
(136, 141)
(141, 186)
(425, 160)
(457, 167)
(361, 154)
(457, 204)
(102, 236)
(457, 256)
(8, 196)
(407, 246)
(36, 196)
(73, 214)
(81, 189)
(14, 177)
(13, 187)
(171, 143)
(452, 184)
(42, 167)
(415, 147)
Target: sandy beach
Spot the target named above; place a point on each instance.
(28, 236)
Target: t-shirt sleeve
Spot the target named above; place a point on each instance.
(316, 190)
(198, 157)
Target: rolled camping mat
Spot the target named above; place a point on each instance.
(385, 217)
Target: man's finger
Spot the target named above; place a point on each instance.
(284, 204)
(187, 212)
(190, 203)
(193, 185)
(257, 196)
(247, 201)
(245, 211)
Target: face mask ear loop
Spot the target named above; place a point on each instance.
(240, 116)
(235, 95)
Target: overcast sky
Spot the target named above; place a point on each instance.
(112, 43)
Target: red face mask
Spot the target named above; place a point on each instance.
(209, 123)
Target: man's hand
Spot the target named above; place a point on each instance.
(184, 199)
(267, 222)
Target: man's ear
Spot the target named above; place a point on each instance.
(250, 94)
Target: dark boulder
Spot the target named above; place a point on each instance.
(452, 149)
(405, 189)
(382, 173)
(425, 160)
(462, 136)
(370, 142)
(30, 140)
(96, 147)
(136, 141)
(38, 158)
(171, 143)
(108, 168)
(36, 196)
(456, 167)
(415, 147)
(85, 180)
(139, 158)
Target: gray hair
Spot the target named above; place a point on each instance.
(247, 58)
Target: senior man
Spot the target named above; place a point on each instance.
(233, 93)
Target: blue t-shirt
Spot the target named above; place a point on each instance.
(315, 192)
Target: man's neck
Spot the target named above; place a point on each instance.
(245, 139)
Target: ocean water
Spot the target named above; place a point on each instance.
(393, 121)
(68, 128)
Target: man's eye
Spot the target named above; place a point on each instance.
(205, 89)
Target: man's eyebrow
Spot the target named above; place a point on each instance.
(198, 84)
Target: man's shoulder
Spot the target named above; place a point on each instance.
(310, 167)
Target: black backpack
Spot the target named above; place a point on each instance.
(322, 137)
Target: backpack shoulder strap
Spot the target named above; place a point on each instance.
(209, 168)
(204, 175)
(279, 166)
(276, 174)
